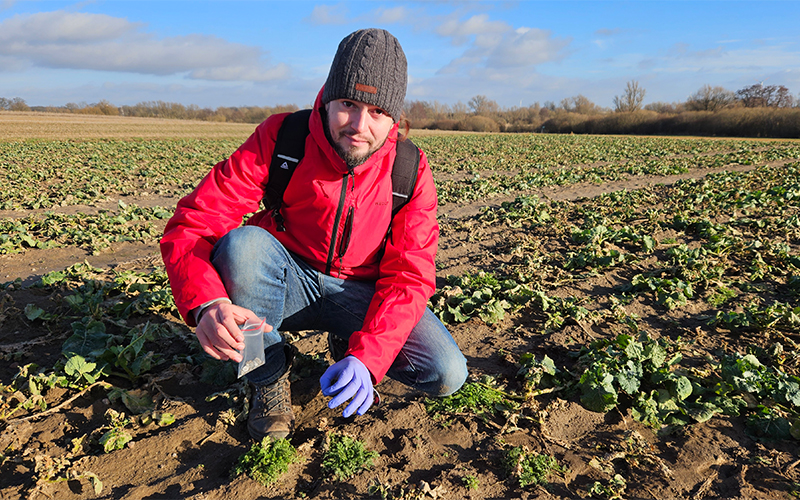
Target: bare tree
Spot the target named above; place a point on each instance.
(631, 99)
(765, 96)
(580, 104)
(482, 105)
(18, 104)
(710, 98)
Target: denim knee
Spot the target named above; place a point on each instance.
(241, 246)
(451, 377)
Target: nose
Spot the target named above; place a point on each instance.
(358, 119)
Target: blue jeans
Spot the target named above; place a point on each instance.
(261, 275)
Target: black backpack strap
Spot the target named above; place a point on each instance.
(404, 174)
(288, 152)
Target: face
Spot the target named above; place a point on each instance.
(357, 129)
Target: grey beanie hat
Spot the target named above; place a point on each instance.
(369, 67)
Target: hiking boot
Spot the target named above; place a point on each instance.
(338, 346)
(271, 411)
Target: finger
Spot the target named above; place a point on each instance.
(345, 394)
(367, 402)
(230, 331)
(217, 342)
(344, 377)
(207, 344)
(356, 403)
(242, 315)
(229, 352)
(330, 375)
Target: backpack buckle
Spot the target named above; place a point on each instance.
(276, 214)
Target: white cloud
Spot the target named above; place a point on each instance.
(392, 16)
(497, 45)
(244, 73)
(328, 14)
(478, 25)
(103, 43)
(718, 60)
(62, 27)
(527, 47)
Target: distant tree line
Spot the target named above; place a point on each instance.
(156, 109)
(754, 111)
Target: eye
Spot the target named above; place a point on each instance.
(348, 104)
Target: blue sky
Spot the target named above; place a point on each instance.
(263, 53)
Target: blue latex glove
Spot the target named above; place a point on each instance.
(348, 378)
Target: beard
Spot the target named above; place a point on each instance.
(351, 156)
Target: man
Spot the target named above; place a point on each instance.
(331, 263)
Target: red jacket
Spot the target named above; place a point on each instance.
(404, 274)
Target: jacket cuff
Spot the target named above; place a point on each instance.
(198, 312)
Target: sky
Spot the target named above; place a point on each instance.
(266, 53)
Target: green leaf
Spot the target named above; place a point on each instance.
(634, 350)
(77, 366)
(165, 419)
(89, 340)
(115, 439)
(683, 388)
(97, 485)
(137, 401)
(33, 312)
(789, 391)
(600, 397)
(629, 377)
(656, 354)
(493, 311)
(702, 412)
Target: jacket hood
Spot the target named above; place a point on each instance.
(317, 130)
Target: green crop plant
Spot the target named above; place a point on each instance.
(537, 374)
(529, 469)
(482, 295)
(117, 436)
(612, 490)
(753, 317)
(558, 310)
(642, 371)
(524, 210)
(483, 399)
(93, 232)
(670, 292)
(344, 456)
(471, 482)
(266, 460)
(720, 295)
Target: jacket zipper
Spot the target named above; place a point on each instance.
(331, 250)
(348, 230)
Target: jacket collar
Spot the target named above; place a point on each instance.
(318, 133)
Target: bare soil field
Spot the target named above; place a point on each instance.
(53, 449)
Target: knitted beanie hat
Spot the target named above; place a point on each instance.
(369, 67)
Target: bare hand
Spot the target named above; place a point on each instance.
(219, 333)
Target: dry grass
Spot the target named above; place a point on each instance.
(16, 126)
(24, 125)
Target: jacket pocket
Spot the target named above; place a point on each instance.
(346, 233)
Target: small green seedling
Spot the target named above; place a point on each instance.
(470, 482)
(529, 468)
(266, 460)
(612, 491)
(474, 397)
(344, 457)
